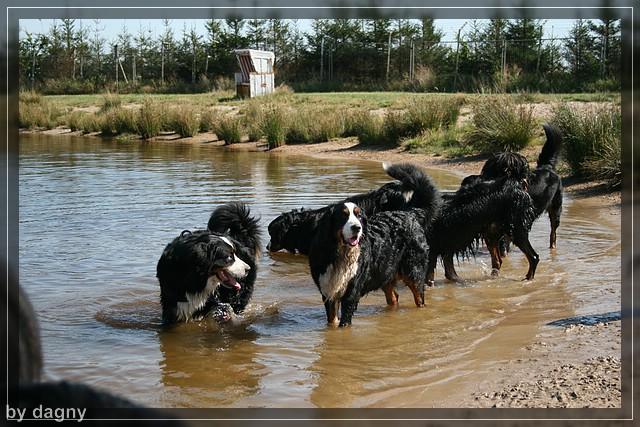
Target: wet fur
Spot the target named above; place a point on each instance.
(293, 231)
(393, 247)
(485, 208)
(186, 266)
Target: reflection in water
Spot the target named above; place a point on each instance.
(96, 215)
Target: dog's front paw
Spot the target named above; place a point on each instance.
(223, 313)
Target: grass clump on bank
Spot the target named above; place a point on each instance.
(229, 129)
(592, 141)
(499, 124)
(34, 111)
(447, 142)
(149, 120)
(208, 120)
(110, 101)
(184, 121)
(274, 127)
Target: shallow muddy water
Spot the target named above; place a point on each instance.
(95, 217)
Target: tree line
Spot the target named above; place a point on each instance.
(73, 56)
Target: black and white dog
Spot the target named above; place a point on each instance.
(351, 256)
(293, 231)
(210, 270)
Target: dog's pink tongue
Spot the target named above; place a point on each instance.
(353, 240)
(228, 280)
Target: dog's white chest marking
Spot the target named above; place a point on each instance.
(196, 301)
(335, 279)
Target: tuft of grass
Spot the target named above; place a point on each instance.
(40, 114)
(118, 121)
(90, 123)
(440, 142)
(299, 128)
(30, 97)
(110, 101)
(229, 129)
(499, 124)
(355, 121)
(184, 121)
(371, 131)
(149, 120)
(75, 120)
(592, 141)
(325, 125)
(274, 126)
(252, 120)
(208, 120)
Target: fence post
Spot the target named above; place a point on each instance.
(322, 59)
(388, 55)
(33, 70)
(117, 61)
(539, 52)
(455, 76)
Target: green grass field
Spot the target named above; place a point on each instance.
(371, 100)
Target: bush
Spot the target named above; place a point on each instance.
(75, 120)
(41, 114)
(252, 120)
(499, 124)
(441, 141)
(592, 141)
(355, 121)
(229, 129)
(299, 128)
(149, 120)
(30, 97)
(325, 125)
(274, 127)
(110, 101)
(371, 131)
(208, 120)
(184, 121)
(90, 123)
(67, 87)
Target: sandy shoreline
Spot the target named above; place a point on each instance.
(576, 366)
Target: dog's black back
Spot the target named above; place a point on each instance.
(294, 230)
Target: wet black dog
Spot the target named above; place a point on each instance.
(351, 256)
(509, 164)
(210, 270)
(294, 230)
(543, 184)
(485, 209)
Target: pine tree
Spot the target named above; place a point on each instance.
(579, 52)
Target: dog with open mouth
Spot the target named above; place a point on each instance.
(293, 231)
(210, 271)
(351, 255)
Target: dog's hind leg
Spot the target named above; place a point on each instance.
(417, 289)
(449, 269)
(391, 294)
(493, 244)
(554, 210)
(521, 240)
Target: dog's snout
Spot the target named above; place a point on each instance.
(356, 228)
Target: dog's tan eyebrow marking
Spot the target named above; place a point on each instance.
(356, 210)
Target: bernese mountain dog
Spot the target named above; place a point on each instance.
(210, 271)
(294, 230)
(351, 256)
(484, 209)
(543, 184)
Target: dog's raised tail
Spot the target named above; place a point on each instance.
(551, 149)
(235, 219)
(418, 187)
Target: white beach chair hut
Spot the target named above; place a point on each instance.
(256, 76)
